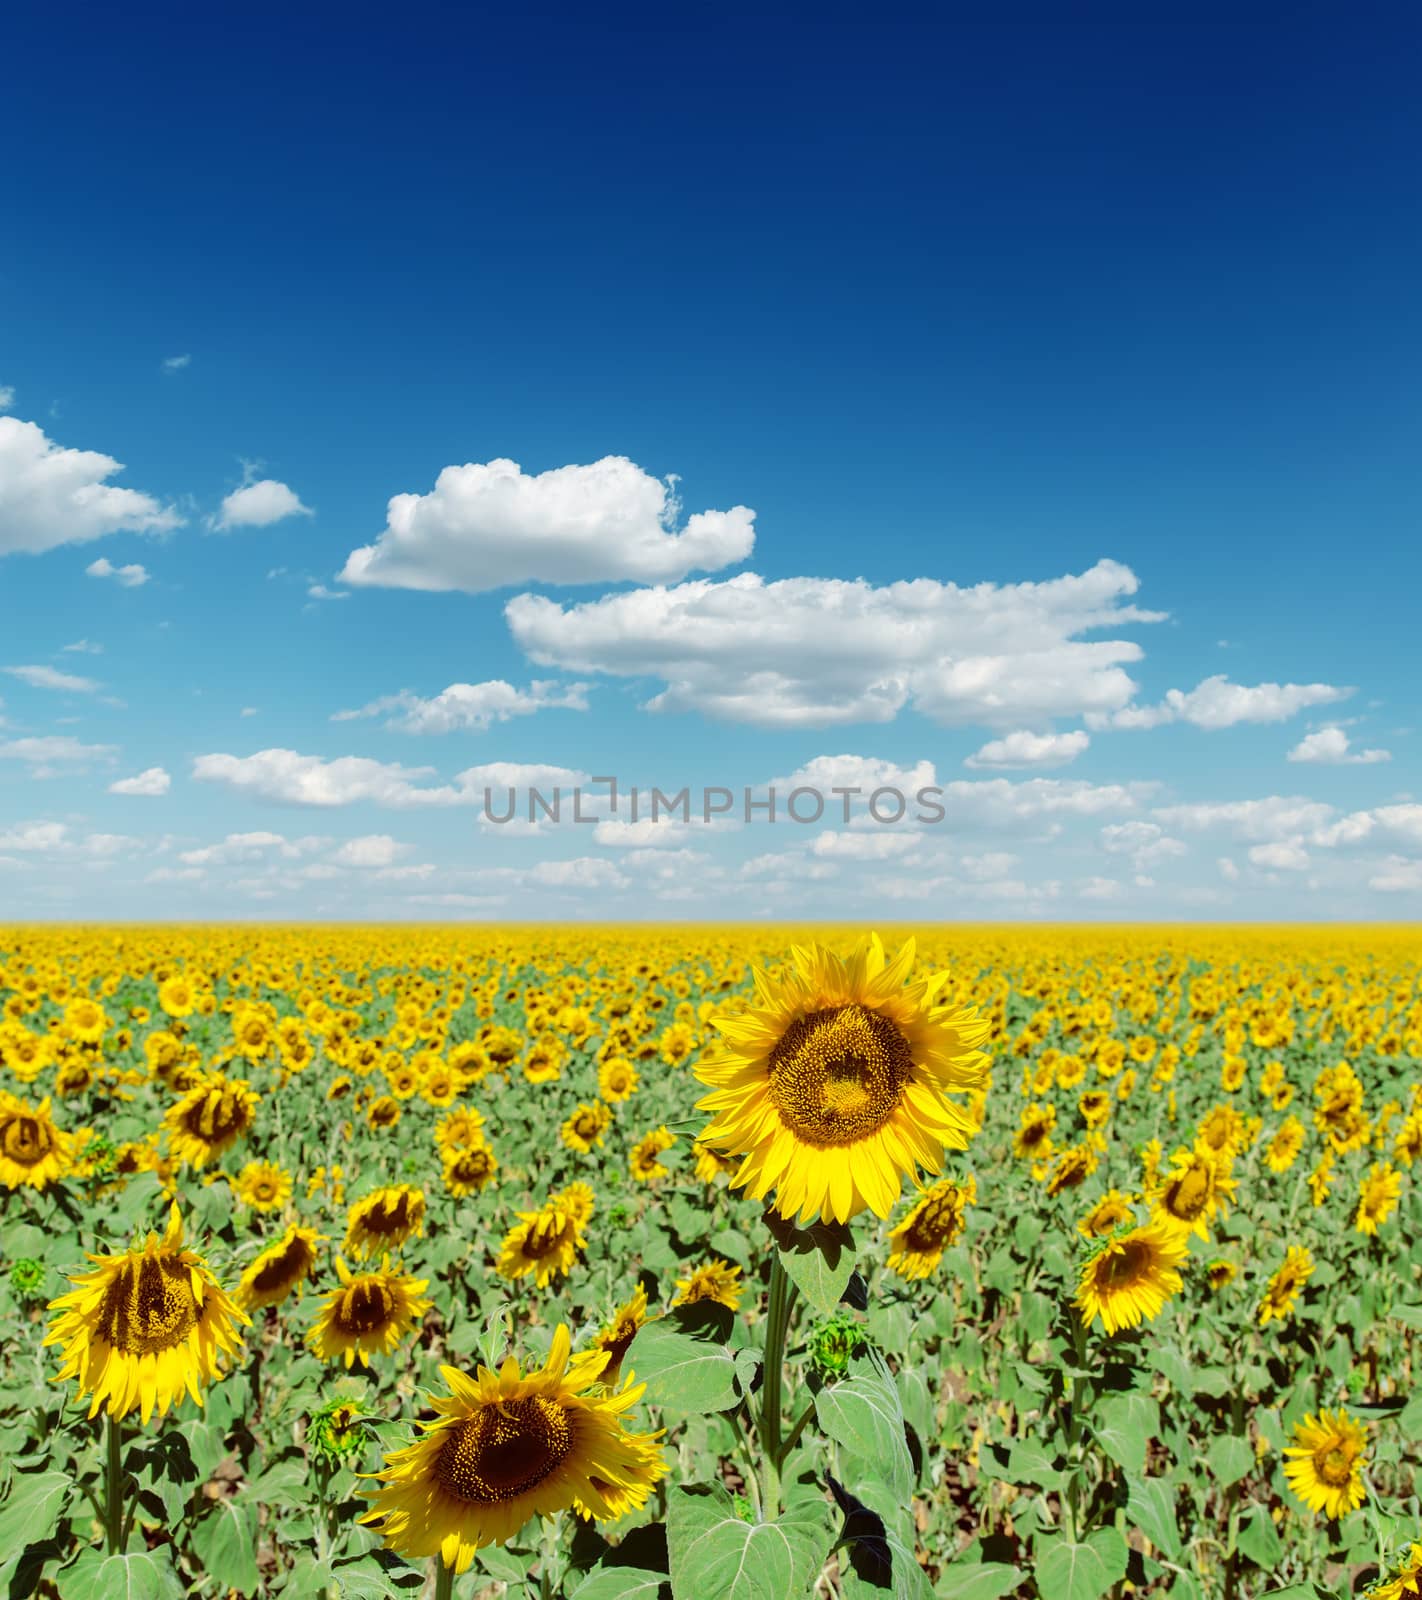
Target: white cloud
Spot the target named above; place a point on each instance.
(50, 754)
(1217, 703)
(289, 778)
(47, 678)
(176, 363)
(1281, 855)
(469, 706)
(1398, 875)
(644, 834)
(258, 505)
(815, 652)
(488, 525)
(56, 839)
(84, 647)
(319, 591)
(788, 864)
(1100, 889)
(1330, 747)
(1145, 842)
(129, 577)
(1229, 871)
(371, 850)
(150, 783)
(1270, 818)
(862, 773)
(50, 496)
(7, 396)
(248, 711)
(863, 846)
(1025, 749)
(585, 872)
(252, 846)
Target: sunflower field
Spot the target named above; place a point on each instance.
(702, 1262)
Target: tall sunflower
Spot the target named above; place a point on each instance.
(1194, 1190)
(1128, 1279)
(916, 1246)
(385, 1219)
(145, 1327)
(621, 1328)
(835, 1085)
(1325, 1465)
(280, 1268)
(544, 1243)
(508, 1446)
(209, 1118)
(1285, 1286)
(370, 1312)
(466, 1171)
(714, 1280)
(1404, 1577)
(1378, 1197)
(34, 1153)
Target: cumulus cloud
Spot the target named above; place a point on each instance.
(1281, 855)
(1330, 747)
(1025, 749)
(129, 577)
(469, 707)
(1267, 819)
(1147, 843)
(84, 647)
(819, 652)
(7, 396)
(863, 846)
(370, 851)
(42, 677)
(150, 783)
(259, 504)
(1217, 703)
(1397, 875)
(487, 525)
(177, 363)
(51, 496)
(864, 773)
(51, 754)
(290, 778)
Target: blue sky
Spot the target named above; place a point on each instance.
(1058, 325)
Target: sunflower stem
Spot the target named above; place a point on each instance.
(777, 1322)
(444, 1580)
(113, 1487)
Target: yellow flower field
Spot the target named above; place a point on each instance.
(687, 1262)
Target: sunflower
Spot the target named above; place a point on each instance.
(544, 1243)
(1326, 1466)
(505, 1447)
(586, 1126)
(263, 1185)
(1193, 1190)
(714, 1280)
(385, 1219)
(467, 1171)
(617, 1079)
(1095, 1107)
(935, 1222)
(578, 1200)
(835, 1085)
(460, 1129)
(280, 1268)
(145, 1327)
(1284, 1147)
(1219, 1274)
(643, 1161)
(617, 1333)
(209, 1118)
(384, 1112)
(711, 1164)
(1033, 1139)
(34, 1153)
(1110, 1212)
(1071, 1168)
(1404, 1578)
(368, 1313)
(1285, 1287)
(1378, 1197)
(1128, 1279)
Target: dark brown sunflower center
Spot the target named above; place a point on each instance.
(385, 1218)
(1125, 1267)
(366, 1307)
(837, 1076)
(148, 1307)
(505, 1450)
(26, 1140)
(284, 1269)
(936, 1225)
(217, 1116)
(1187, 1196)
(1334, 1466)
(546, 1237)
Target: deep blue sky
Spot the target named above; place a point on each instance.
(966, 302)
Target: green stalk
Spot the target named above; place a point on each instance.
(777, 1322)
(444, 1581)
(113, 1488)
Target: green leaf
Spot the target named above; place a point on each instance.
(989, 1580)
(1151, 1508)
(864, 1415)
(225, 1541)
(1124, 1425)
(31, 1511)
(623, 1583)
(1230, 1458)
(684, 1361)
(1259, 1540)
(714, 1553)
(140, 1575)
(818, 1258)
(1066, 1570)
